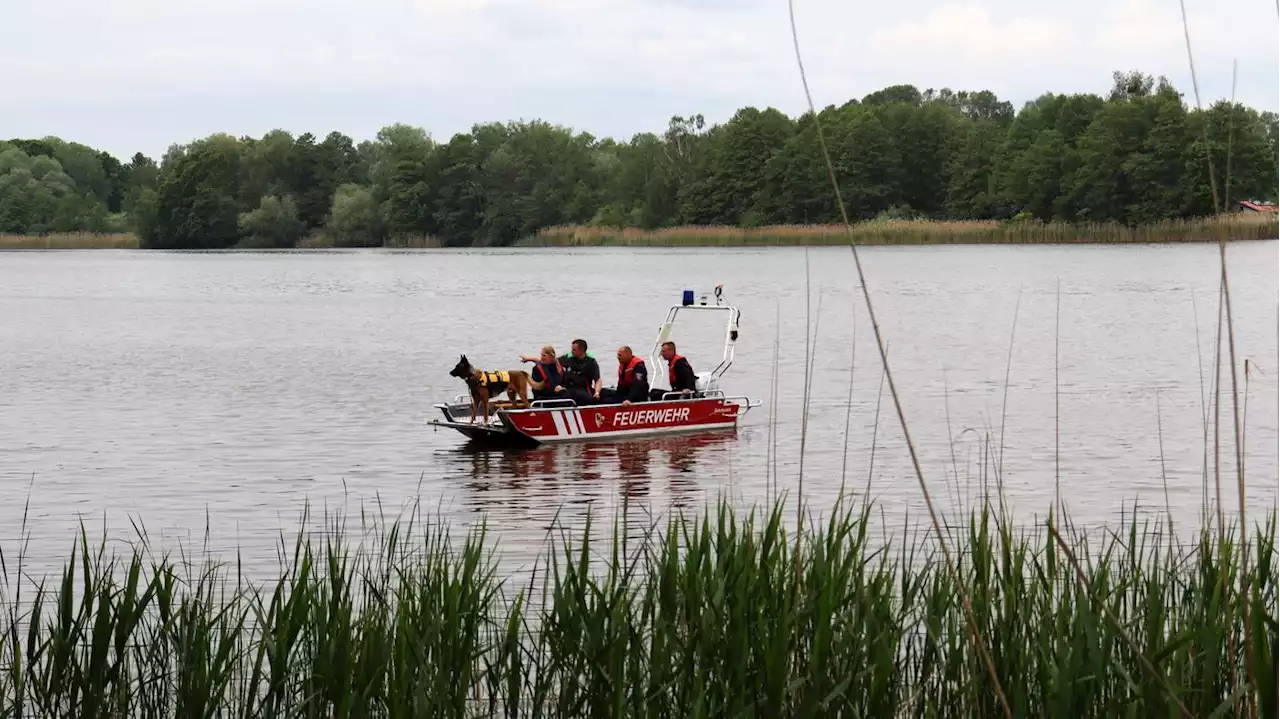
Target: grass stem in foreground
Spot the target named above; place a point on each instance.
(700, 616)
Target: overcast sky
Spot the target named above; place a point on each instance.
(139, 75)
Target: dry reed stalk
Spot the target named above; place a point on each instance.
(1240, 485)
(1244, 411)
(1236, 425)
(893, 392)
(917, 232)
(1231, 131)
(810, 353)
(414, 242)
(70, 241)
(1004, 401)
(804, 407)
(1252, 702)
(875, 430)
(848, 407)
(1204, 415)
(770, 463)
(777, 358)
(1057, 435)
(1195, 86)
(1217, 468)
(1164, 477)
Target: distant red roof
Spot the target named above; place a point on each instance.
(1257, 206)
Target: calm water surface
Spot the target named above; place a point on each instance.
(228, 390)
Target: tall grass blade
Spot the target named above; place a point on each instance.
(884, 359)
(706, 617)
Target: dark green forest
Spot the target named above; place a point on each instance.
(1133, 156)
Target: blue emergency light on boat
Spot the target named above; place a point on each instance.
(688, 298)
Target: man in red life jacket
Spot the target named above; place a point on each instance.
(679, 374)
(633, 380)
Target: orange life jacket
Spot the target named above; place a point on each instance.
(546, 375)
(627, 374)
(671, 370)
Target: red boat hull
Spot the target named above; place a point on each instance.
(565, 424)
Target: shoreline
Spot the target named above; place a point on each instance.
(1232, 228)
(917, 232)
(71, 241)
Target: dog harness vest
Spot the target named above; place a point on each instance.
(495, 381)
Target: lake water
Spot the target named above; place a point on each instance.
(228, 390)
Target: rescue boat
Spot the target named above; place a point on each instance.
(561, 420)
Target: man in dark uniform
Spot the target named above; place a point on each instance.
(581, 374)
(679, 374)
(633, 380)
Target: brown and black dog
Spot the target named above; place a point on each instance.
(484, 385)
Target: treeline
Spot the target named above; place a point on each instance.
(51, 185)
(1135, 156)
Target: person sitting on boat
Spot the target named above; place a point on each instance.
(547, 375)
(679, 374)
(581, 374)
(633, 380)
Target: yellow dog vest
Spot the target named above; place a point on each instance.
(489, 379)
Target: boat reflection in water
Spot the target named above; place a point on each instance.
(544, 480)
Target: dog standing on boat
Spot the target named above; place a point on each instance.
(485, 385)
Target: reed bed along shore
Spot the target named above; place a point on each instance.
(324, 240)
(918, 232)
(875, 232)
(722, 615)
(71, 241)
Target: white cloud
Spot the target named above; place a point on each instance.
(446, 8)
(140, 74)
(969, 36)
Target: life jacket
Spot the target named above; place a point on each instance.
(671, 370)
(495, 382)
(575, 371)
(552, 374)
(627, 374)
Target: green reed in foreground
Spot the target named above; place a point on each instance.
(698, 617)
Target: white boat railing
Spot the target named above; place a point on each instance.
(734, 316)
(746, 404)
(552, 403)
